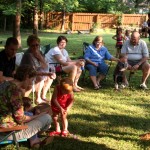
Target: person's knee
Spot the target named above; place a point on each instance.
(146, 67)
(47, 118)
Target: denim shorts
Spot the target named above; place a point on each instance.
(102, 69)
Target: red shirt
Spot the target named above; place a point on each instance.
(63, 99)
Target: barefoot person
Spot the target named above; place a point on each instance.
(58, 54)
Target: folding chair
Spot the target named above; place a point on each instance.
(85, 45)
(44, 49)
(12, 131)
(19, 58)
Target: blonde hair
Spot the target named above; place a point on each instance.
(66, 84)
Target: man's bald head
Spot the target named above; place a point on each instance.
(135, 36)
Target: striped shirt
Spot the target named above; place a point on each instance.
(137, 52)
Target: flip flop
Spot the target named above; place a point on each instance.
(69, 135)
(64, 133)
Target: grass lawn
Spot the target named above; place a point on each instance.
(103, 119)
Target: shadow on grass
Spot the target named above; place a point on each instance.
(60, 143)
(90, 126)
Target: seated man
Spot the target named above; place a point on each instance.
(7, 59)
(137, 52)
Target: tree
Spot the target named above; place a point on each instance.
(35, 18)
(64, 6)
(17, 20)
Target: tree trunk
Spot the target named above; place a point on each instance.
(17, 19)
(35, 18)
(63, 20)
(41, 15)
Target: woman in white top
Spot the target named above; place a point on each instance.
(58, 54)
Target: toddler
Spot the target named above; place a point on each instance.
(61, 102)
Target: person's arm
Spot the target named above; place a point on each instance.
(54, 100)
(145, 54)
(87, 56)
(114, 37)
(41, 59)
(60, 60)
(3, 78)
(108, 56)
(71, 102)
(52, 75)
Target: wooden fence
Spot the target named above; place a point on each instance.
(86, 21)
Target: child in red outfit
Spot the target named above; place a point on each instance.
(61, 102)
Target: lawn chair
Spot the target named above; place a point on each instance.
(19, 58)
(85, 45)
(12, 131)
(44, 49)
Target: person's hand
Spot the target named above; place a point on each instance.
(38, 55)
(62, 111)
(80, 62)
(135, 67)
(52, 75)
(95, 64)
(129, 67)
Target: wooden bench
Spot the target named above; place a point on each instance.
(12, 131)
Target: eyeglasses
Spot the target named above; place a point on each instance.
(98, 42)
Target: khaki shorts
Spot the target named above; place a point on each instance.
(133, 63)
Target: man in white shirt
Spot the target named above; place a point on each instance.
(138, 54)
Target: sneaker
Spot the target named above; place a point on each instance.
(143, 86)
(122, 86)
(116, 86)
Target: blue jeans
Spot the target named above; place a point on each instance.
(101, 68)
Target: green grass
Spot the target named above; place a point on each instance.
(104, 119)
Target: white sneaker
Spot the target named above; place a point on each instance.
(116, 86)
(143, 86)
(122, 86)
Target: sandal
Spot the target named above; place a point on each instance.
(96, 87)
(54, 133)
(65, 133)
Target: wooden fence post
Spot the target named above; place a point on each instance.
(72, 29)
(122, 19)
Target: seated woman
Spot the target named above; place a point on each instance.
(58, 54)
(12, 110)
(34, 58)
(95, 56)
